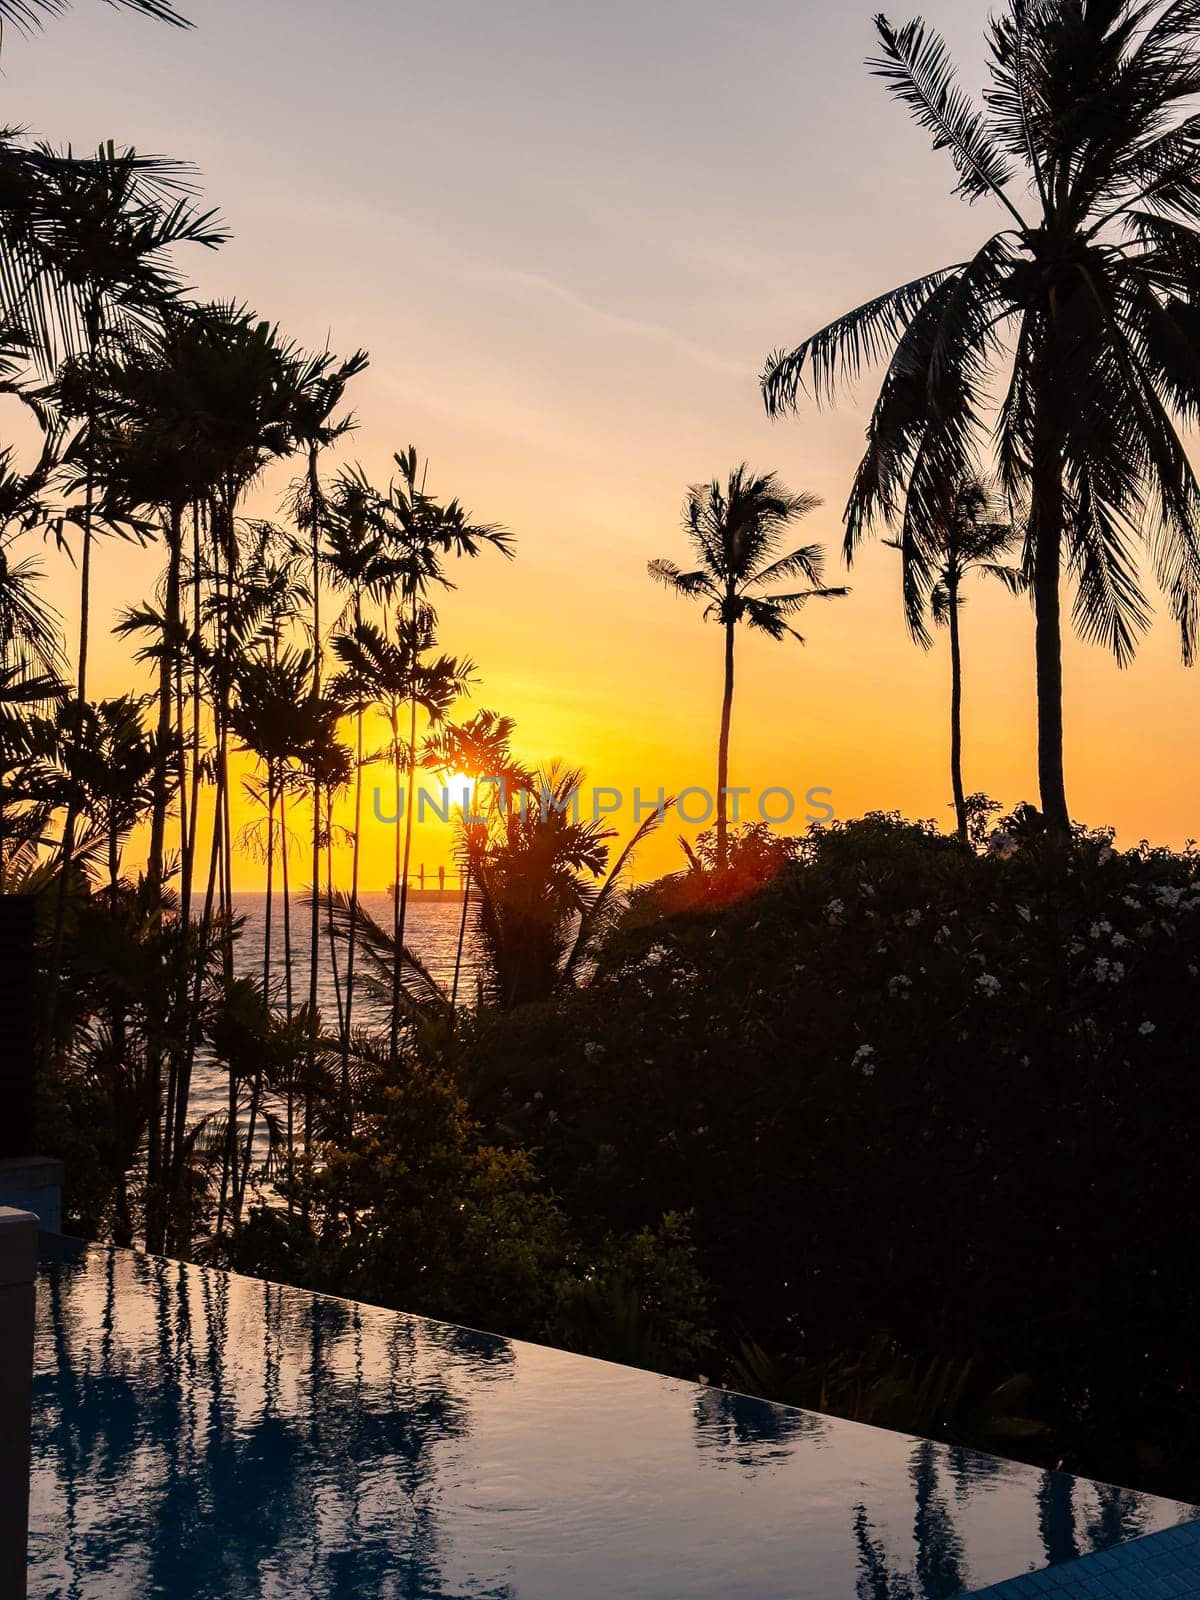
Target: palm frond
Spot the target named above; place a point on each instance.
(840, 351)
(916, 67)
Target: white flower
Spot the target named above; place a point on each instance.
(1099, 929)
(1003, 846)
(593, 1052)
(835, 910)
(864, 1059)
(1120, 941)
(913, 919)
(1104, 857)
(1146, 1029)
(1167, 895)
(899, 986)
(988, 985)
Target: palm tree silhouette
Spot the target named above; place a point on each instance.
(737, 532)
(972, 533)
(1077, 311)
(548, 889)
(30, 639)
(320, 387)
(396, 671)
(358, 564)
(481, 750)
(99, 761)
(94, 256)
(421, 532)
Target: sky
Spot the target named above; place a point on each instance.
(569, 235)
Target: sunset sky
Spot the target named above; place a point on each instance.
(569, 235)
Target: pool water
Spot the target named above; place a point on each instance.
(208, 1437)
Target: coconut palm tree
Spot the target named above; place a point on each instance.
(973, 533)
(737, 532)
(1080, 312)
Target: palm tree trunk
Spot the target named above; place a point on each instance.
(89, 506)
(402, 911)
(67, 846)
(352, 938)
(287, 900)
(1047, 531)
(330, 928)
(465, 885)
(166, 695)
(314, 487)
(956, 696)
(399, 895)
(462, 938)
(160, 1120)
(269, 908)
(723, 753)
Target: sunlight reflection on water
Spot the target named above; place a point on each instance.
(431, 934)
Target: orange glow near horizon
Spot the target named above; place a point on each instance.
(567, 292)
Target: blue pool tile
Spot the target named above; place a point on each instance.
(1161, 1566)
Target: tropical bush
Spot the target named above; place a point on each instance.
(904, 1087)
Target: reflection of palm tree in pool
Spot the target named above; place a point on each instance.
(939, 1547)
(165, 1476)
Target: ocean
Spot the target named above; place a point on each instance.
(431, 934)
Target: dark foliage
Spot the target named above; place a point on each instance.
(904, 1087)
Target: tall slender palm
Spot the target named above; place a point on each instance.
(422, 532)
(403, 675)
(737, 532)
(320, 389)
(419, 532)
(152, 452)
(358, 564)
(1081, 312)
(245, 377)
(273, 715)
(973, 532)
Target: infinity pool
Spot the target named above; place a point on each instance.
(206, 1437)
